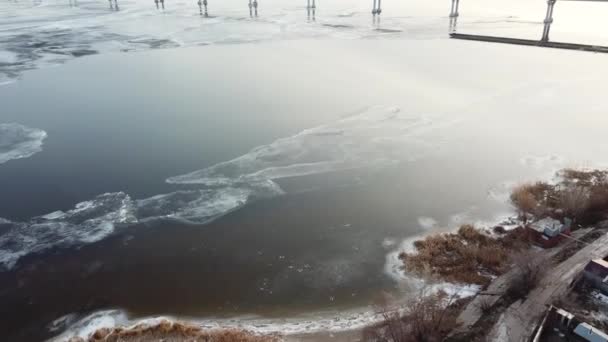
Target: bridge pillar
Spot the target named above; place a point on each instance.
(454, 9)
(453, 24)
(548, 20)
(205, 5)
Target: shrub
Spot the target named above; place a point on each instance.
(425, 318)
(468, 256)
(581, 195)
(527, 273)
(486, 305)
(574, 200)
(587, 178)
(597, 205)
(516, 239)
(499, 230)
(525, 202)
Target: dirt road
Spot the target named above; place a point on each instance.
(517, 323)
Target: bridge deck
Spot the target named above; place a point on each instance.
(530, 42)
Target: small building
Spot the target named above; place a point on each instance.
(596, 274)
(588, 333)
(556, 325)
(548, 232)
(561, 325)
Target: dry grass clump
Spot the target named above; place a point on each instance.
(167, 331)
(581, 194)
(468, 256)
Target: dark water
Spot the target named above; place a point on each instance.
(121, 122)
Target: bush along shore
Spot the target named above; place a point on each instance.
(468, 256)
(478, 256)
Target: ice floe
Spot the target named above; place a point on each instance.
(388, 243)
(502, 191)
(88, 222)
(427, 222)
(193, 206)
(62, 323)
(539, 162)
(376, 137)
(18, 141)
(94, 220)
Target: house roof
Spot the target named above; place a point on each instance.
(589, 333)
(598, 267)
(547, 225)
(564, 313)
(547, 222)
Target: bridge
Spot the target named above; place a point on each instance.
(253, 7)
(543, 42)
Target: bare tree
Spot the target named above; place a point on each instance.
(529, 269)
(428, 316)
(524, 201)
(574, 200)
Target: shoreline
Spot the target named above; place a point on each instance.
(322, 325)
(346, 326)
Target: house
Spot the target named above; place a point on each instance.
(589, 333)
(596, 274)
(561, 325)
(548, 232)
(556, 325)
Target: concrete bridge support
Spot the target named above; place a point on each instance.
(454, 10)
(548, 20)
(376, 7)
